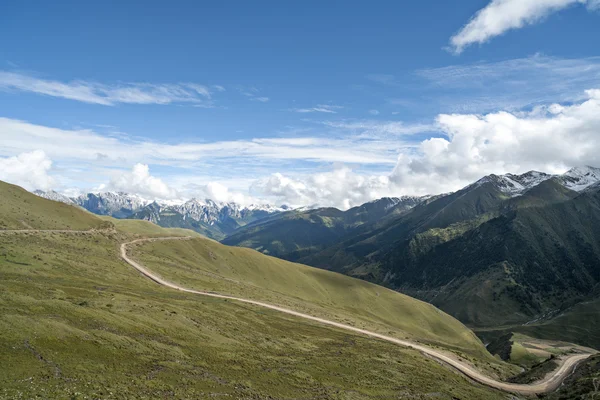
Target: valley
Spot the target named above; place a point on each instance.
(90, 302)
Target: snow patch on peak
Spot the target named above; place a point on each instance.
(52, 195)
(580, 178)
(515, 185)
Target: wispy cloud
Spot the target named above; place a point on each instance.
(511, 84)
(108, 94)
(253, 94)
(500, 16)
(320, 108)
(378, 129)
(89, 146)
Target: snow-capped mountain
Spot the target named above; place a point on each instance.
(514, 185)
(52, 195)
(209, 217)
(580, 178)
(119, 205)
(577, 179)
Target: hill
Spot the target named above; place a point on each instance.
(19, 209)
(504, 251)
(79, 322)
(296, 234)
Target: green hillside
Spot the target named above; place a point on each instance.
(297, 234)
(78, 322)
(146, 228)
(20, 209)
(206, 265)
(489, 259)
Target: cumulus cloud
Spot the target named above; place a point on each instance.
(29, 170)
(500, 16)
(549, 138)
(108, 95)
(222, 194)
(139, 181)
(372, 158)
(341, 188)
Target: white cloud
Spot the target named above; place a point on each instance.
(96, 93)
(320, 108)
(253, 94)
(29, 170)
(139, 181)
(551, 138)
(511, 84)
(86, 146)
(341, 188)
(372, 158)
(221, 193)
(500, 16)
(380, 128)
(374, 112)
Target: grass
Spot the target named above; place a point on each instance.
(146, 228)
(20, 209)
(77, 322)
(207, 265)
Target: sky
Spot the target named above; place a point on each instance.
(302, 103)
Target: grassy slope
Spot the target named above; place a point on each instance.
(291, 232)
(78, 322)
(20, 209)
(206, 265)
(296, 234)
(146, 228)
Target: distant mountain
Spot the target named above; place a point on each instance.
(580, 178)
(212, 219)
(215, 220)
(515, 184)
(52, 195)
(296, 234)
(118, 205)
(505, 250)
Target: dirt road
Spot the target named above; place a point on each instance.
(548, 384)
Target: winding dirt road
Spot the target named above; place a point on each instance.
(548, 384)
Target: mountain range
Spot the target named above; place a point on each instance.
(213, 219)
(507, 250)
(517, 251)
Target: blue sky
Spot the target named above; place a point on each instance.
(300, 103)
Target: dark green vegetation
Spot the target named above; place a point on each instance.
(78, 322)
(536, 372)
(480, 254)
(583, 384)
(295, 234)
